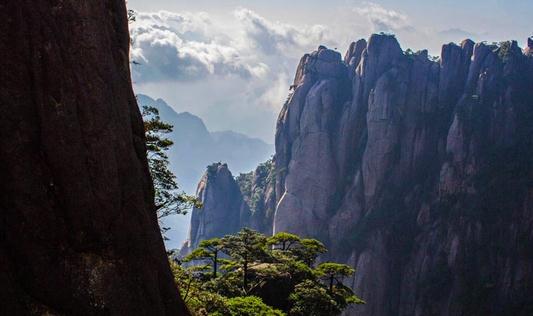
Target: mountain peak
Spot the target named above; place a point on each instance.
(395, 162)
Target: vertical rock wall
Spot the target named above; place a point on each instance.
(223, 209)
(230, 204)
(417, 176)
(78, 229)
(415, 171)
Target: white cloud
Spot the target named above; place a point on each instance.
(382, 19)
(228, 71)
(172, 46)
(189, 46)
(277, 92)
(276, 37)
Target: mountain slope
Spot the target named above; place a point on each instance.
(416, 172)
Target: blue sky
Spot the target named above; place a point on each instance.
(231, 62)
(496, 18)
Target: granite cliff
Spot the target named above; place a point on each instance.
(78, 233)
(416, 171)
(417, 174)
(232, 203)
(222, 203)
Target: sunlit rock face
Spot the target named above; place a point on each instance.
(415, 171)
(78, 228)
(222, 205)
(229, 204)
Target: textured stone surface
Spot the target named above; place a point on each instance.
(222, 207)
(417, 172)
(78, 234)
(229, 205)
(416, 176)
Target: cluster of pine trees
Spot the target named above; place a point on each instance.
(249, 273)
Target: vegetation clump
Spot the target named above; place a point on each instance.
(249, 273)
(253, 185)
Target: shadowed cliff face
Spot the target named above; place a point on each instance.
(79, 234)
(416, 172)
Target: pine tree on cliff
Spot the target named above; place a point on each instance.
(246, 247)
(169, 200)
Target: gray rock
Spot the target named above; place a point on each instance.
(416, 173)
(222, 207)
(387, 175)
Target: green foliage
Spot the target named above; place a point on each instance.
(132, 16)
(254, 185)
(207, 250)
(312, 299)
(505, 50)
(199, 299)
(245, 182)
(409, 53)
(245, 247)
(304, 250)
(169, 200)
(335, 270)
(309, 250)
(249, 306)
(283, 241)
(263, 276)
(333, 273)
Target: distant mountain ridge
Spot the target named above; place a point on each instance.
(195, 147)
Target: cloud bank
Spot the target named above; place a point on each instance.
(189, 46)
(245, 68)
(236, 74)
(382, 19)
(181, 46)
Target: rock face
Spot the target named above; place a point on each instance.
(79, 233)
(419, 175)
(230, 204)
(415, 171)
(222, 203)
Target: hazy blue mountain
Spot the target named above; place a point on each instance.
(195, 147)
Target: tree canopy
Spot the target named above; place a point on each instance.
(248, 273)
